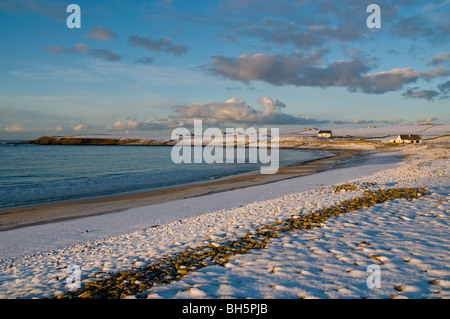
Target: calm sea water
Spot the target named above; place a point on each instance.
(37, 174)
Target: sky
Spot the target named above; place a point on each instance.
(148, 67)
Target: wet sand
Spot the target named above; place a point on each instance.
(26, 216)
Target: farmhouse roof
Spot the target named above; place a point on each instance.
(409, 137)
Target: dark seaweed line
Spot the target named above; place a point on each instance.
(174, 267)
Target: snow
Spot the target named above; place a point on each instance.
(408, 240)
(123, 136)
(29, 240)
(426, 131)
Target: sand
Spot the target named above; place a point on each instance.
(41, 214)
(408, 240)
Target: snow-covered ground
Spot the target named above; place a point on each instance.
(368, 138)
(408, 240)
(426, 131)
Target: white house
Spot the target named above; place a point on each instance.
(325, 133)
(407, 139)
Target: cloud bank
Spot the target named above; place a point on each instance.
(232, 111)
(308, 71)
(238, 111)
(311, 24)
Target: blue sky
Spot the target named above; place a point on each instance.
(147, 67)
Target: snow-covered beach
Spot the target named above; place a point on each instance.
(408, 240)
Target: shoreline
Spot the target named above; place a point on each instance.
(18, 217)
(408, 239)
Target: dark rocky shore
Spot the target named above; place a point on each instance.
(67, 140)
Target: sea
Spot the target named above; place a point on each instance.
(39, 174)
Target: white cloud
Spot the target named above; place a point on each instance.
(20, 129)
(101, 34)
(231, 111)
(124, 125)
(238, 111)
(308, 71)
(14, 128)
(80, 127)
(270, 105)
(428, 119)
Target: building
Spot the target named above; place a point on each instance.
(407, 139)
(230, 133)
(325, 133)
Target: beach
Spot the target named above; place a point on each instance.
(41, 214)
(211, 158)
(408, 240)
